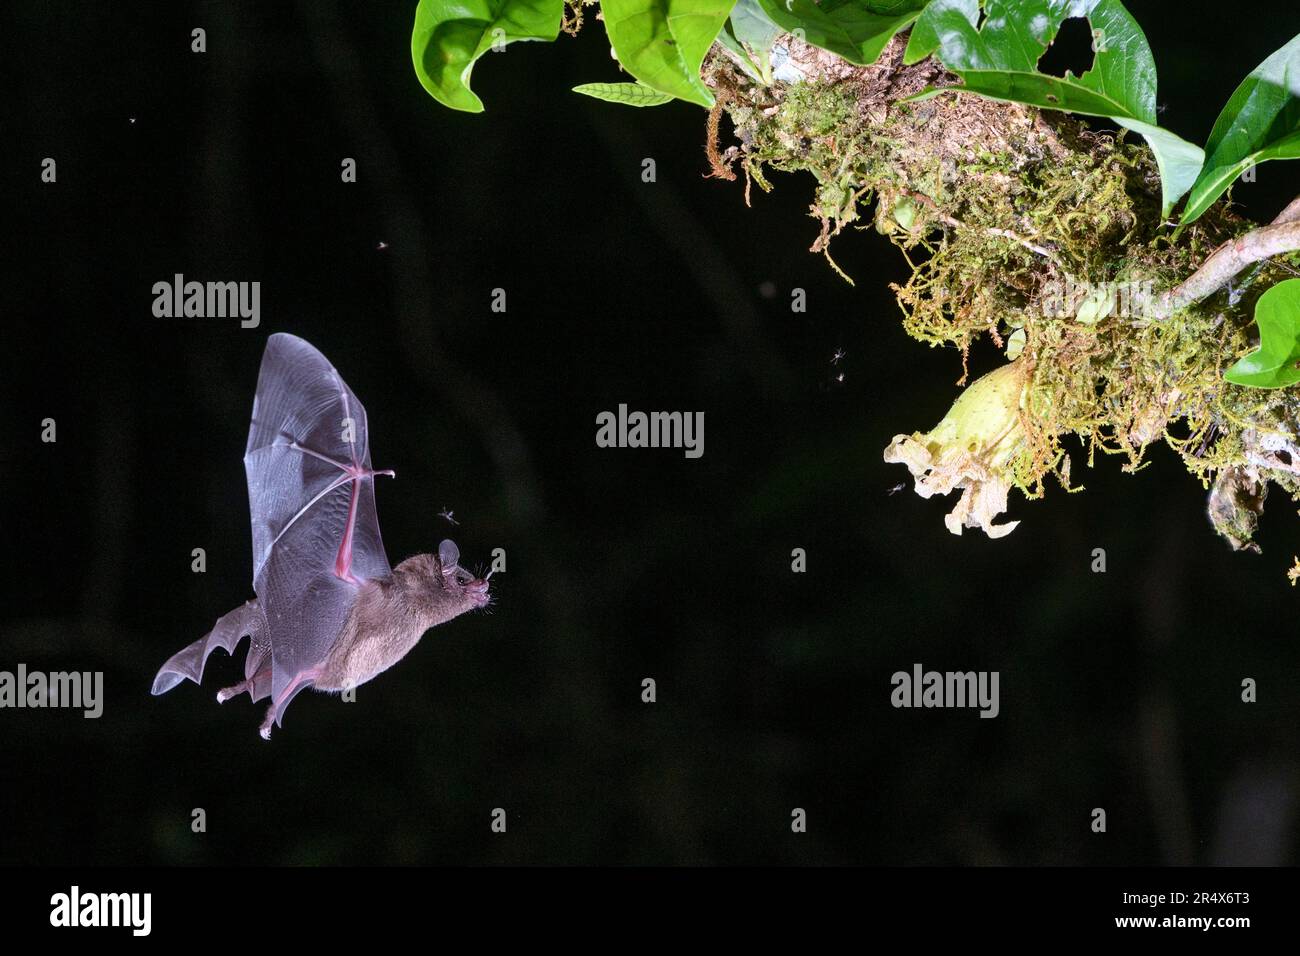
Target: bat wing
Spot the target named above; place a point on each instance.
(312, 500)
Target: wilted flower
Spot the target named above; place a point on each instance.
(1236, 502)
(973, 449)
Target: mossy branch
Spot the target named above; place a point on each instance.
(1035, 231)
(1231, 259)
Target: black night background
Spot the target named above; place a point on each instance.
(1118, 690)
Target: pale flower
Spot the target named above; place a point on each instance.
(972, 449)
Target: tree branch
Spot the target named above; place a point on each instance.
(1227, 262)
(1290, 214)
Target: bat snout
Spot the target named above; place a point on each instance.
(478, 592)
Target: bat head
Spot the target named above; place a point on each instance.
(458, 587)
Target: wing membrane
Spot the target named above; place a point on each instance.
(311, 498)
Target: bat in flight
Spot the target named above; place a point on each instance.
(330, 613)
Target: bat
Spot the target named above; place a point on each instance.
(330, 613)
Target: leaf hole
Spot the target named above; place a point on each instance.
(1072, 51)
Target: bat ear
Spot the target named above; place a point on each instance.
(448, 555)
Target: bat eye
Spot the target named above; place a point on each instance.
(448, 556)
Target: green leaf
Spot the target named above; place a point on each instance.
(749, 33)
(1274, 363)
(924, 38)
(1000, 61)
(629, 94)
(856, 30)
(662, 42)
(450, 35)
(1178, 160)
(1261, 121)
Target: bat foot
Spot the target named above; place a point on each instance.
(265, 729)
(249, 687)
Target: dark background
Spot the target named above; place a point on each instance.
(1118, 690)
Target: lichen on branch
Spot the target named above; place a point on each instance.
(1038, 234)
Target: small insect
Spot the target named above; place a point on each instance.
(449, 515)
(839, 354)
(382, 246)
(897, 488)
